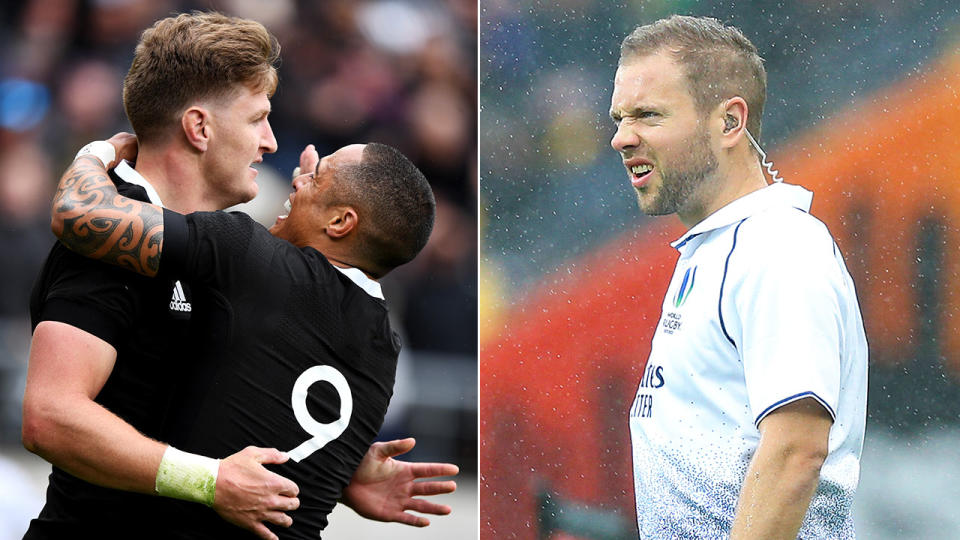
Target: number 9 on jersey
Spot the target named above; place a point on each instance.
(322, 433)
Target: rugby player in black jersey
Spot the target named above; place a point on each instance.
(114, 356)
(298, 304)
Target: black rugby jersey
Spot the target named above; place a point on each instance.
(304, 344)
(137, 316)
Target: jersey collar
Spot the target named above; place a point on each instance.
(779, 194)
(130, 175)
(357, 276)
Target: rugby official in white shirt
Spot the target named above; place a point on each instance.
(748, 421)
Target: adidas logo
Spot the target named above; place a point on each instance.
(179, 300)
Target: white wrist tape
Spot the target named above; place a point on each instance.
(101, 150)
(187, 476)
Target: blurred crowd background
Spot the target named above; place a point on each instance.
(861, 107)
(401, 72)
(552, 187)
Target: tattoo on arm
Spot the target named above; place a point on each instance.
(91, 218)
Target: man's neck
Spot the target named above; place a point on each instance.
(334, 252)
(731, 184)
(176, 177)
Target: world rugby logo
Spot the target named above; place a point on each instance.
(685, 287)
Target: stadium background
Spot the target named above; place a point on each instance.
(863, 108)
(401, 72)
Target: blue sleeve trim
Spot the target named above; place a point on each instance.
(724, 280)
(791, 399)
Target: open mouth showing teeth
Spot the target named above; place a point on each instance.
(286, 206)
(641, 170)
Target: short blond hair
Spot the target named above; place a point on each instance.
(190, 57)
(718, 61)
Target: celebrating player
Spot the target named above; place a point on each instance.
(750, 417)
(291, 317)
(117, 365)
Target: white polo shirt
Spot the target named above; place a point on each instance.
(760, 312)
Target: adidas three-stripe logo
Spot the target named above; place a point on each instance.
(179, 300)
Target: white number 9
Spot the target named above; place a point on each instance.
(322, 433)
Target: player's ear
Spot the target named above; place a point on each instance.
(195, 123)
(342, 223)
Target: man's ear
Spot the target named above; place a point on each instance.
(196, 127)
(342, 223)
(732, 121)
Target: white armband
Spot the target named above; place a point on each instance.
(101, 150)
(187, 476)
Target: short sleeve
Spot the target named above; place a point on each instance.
(86, 294)
(789, 304)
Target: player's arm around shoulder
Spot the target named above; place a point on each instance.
(91, 218)
(784, 472)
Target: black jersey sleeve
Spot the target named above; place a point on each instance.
(85, 294)
(218, 249)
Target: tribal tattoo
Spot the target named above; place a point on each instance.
(91, 218)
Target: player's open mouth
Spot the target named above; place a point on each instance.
(287, 207)
(639, 174)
